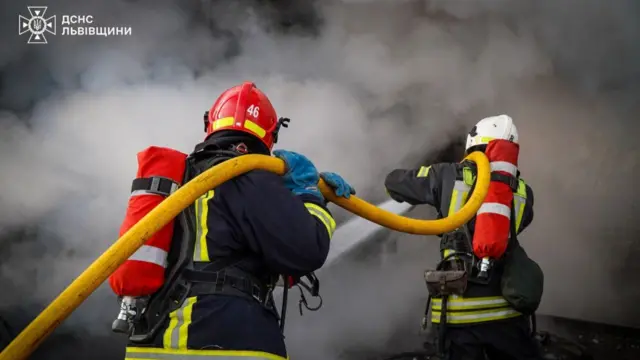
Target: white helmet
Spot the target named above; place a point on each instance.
(491, 128)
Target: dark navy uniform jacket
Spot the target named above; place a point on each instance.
(444, 186)
(436, 187)
(253, 215)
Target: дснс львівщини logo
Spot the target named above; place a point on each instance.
(37, 25)
(73, 25)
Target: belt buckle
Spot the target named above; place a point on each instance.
(221, 279)
(514, 183)
(256, 293)
(177, 296)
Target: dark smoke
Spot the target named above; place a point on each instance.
(375, 84)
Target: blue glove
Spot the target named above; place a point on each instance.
(301, 176)
(340, 186)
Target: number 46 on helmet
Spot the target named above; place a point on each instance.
(246, 109)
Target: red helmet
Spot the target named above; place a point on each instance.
(244, 108)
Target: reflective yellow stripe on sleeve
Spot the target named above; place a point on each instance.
(200, 250)
(424, 171)
(323, 215)
(177, 333)
(143, 353)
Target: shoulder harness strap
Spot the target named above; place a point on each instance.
(153, 185)
(182, 279)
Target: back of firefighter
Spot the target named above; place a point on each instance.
(481, 322)
(259, 225)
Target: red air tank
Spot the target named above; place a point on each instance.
(491, 234)
(160, 172)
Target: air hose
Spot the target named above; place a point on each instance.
(85, 284)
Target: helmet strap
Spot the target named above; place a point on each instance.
(282, 122)
(206, 120)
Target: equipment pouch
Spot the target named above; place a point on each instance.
(445, 283)
(522, 281)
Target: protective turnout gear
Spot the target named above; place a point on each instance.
(461, 300)
(340, 186)
(301, 176)
(491, 128)
(234, 243)
(246, 109)
(160, 172)
(480, 302)
(493, 219)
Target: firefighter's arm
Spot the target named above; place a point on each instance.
(296, 227)
(292, 232)
(415, 186)
(527, 215)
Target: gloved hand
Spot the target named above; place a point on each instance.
(339, 185)
(301, 176)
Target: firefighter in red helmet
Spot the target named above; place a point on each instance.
(244, 109)
(236, 241)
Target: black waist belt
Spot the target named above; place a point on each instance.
(225, 283)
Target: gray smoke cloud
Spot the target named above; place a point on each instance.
(380, 85)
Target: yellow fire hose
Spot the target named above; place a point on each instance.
(85, 284)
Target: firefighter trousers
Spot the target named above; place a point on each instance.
(509, 339)
(215, 327)
(147, 353)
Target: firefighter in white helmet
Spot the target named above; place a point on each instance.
(491, 128)
(485, 289)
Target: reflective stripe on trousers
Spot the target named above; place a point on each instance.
(177, 333)
(474, 317)
(458, 303)
(472, 310)
(143, 353)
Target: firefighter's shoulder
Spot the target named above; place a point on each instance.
(253, 183)
(260, 178)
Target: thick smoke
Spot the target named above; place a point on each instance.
(377, 86)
